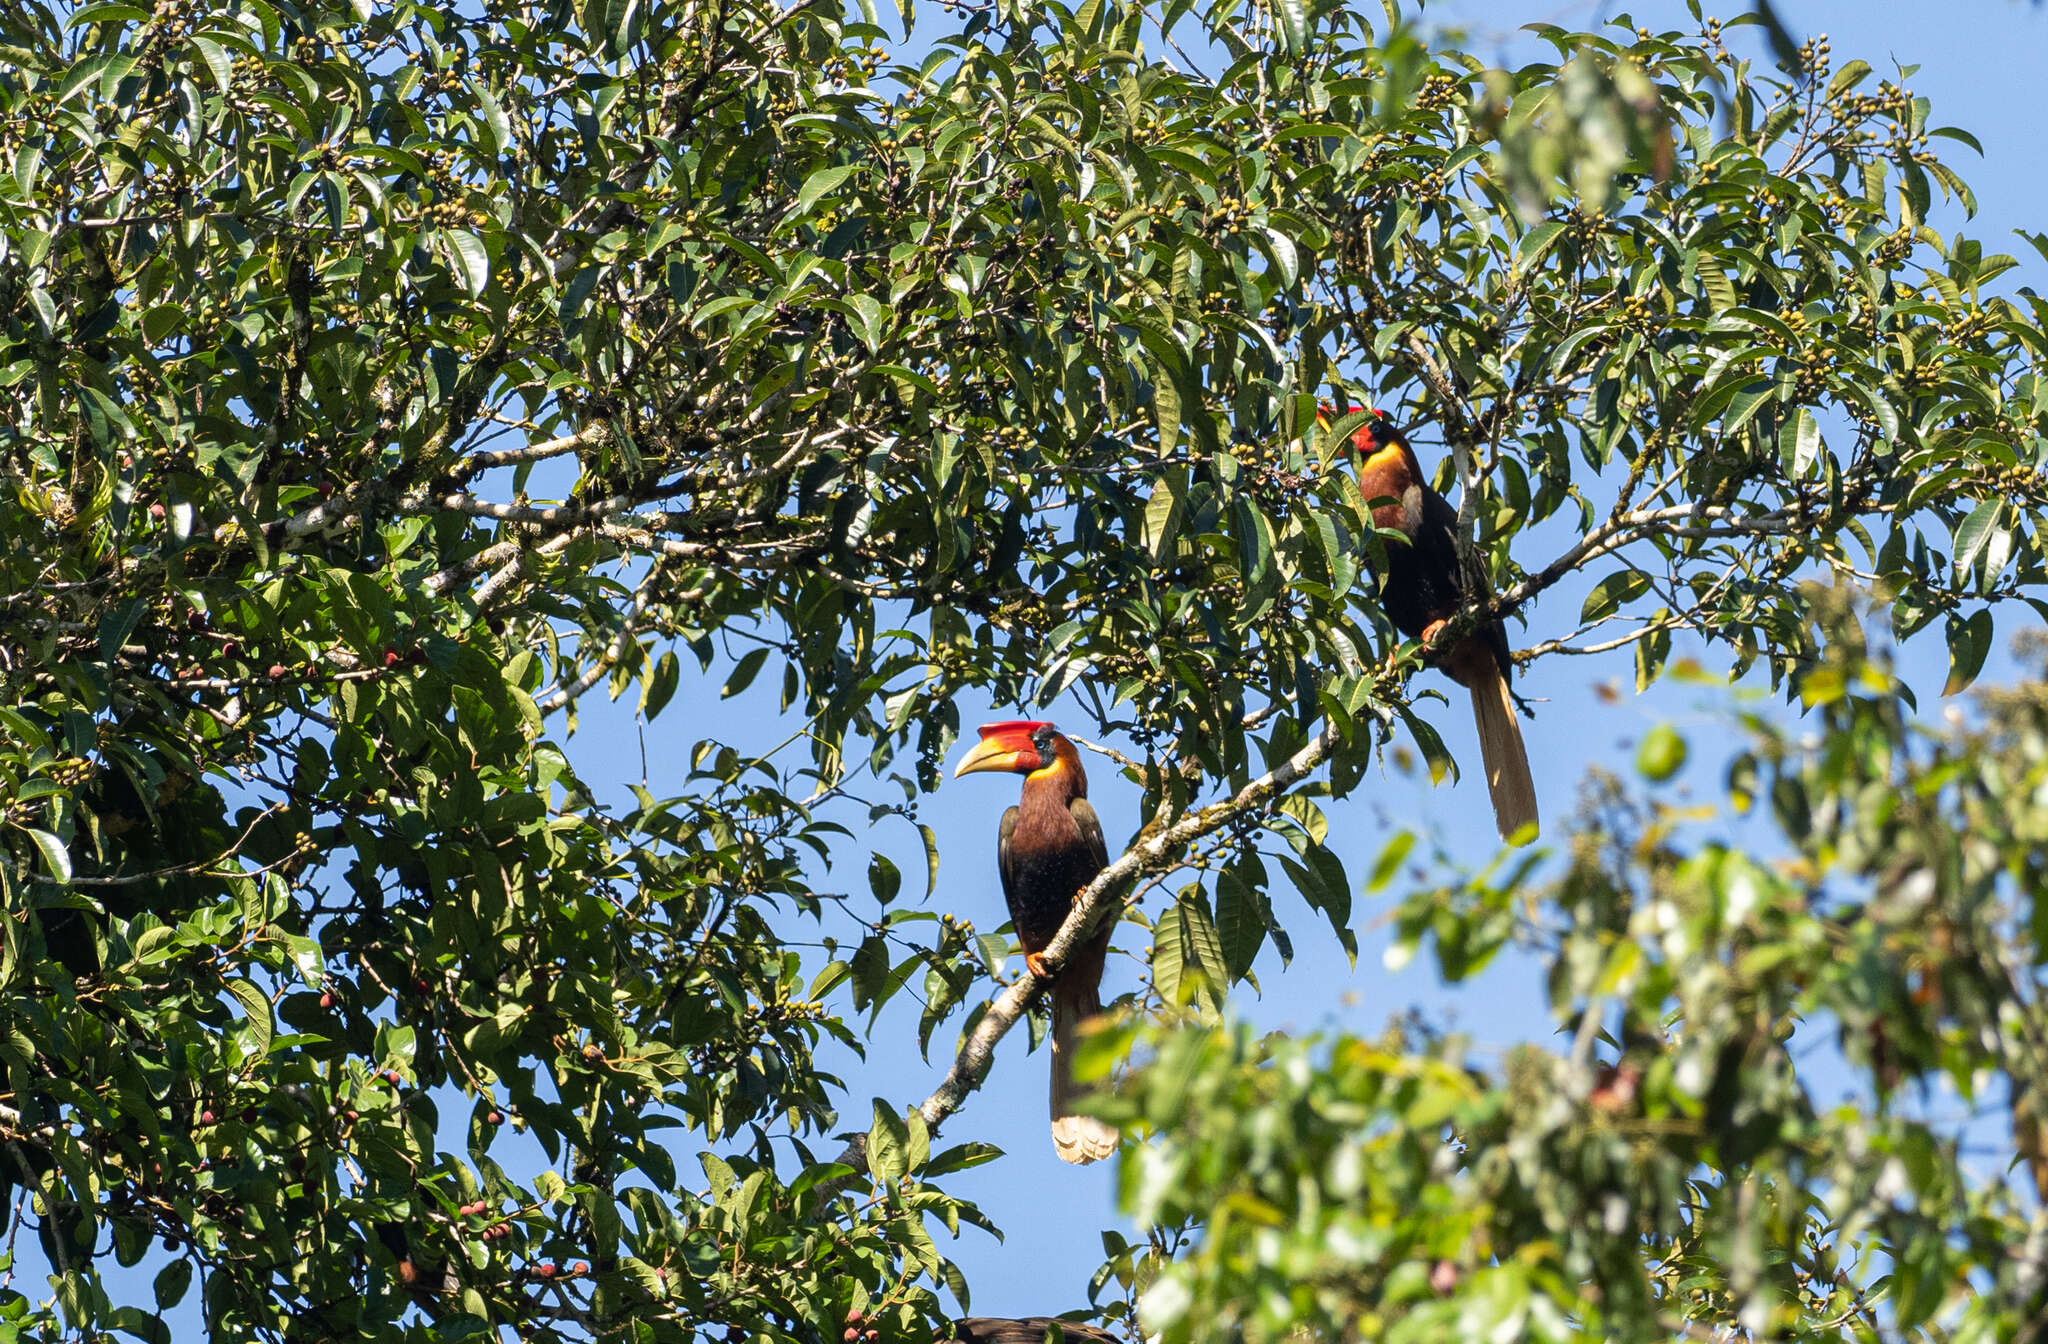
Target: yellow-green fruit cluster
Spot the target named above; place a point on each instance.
(1438, 91)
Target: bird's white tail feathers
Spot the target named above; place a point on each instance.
(1500, 746)
(1076, 1138)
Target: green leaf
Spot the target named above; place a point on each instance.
(917, 1144)
(471, 259)
(816, 185)
(56, 857)
(1974, 531)
(1652, 650)
(868, 320)
(1720, 291)
(1536, 242)
(1168, 955)
(744, 672)
(1240, 924)
(1163, 515)
(157, 944)
(1166, 408)
(888, 1145)
(1662, 753)
(1290, 22)
(885, 880)
(256, 1004)
(1608, 595)
(218, 62)
(116, 626)
(657, 689)
(1799, 443)
(931, 859)
(497, 126)
(617, 22)
(1203, 948)
(1848, 77)
(1390, 860)
(1969, 641)
(171, 1283)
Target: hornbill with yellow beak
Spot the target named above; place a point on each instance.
(1424, 586)
(1049, 848)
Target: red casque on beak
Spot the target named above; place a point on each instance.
(1005, 746)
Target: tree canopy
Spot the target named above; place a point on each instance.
(386, 378)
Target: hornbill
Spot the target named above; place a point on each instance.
(1049, 848)
(1423, 587)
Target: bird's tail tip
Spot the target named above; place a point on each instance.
(1081, 1139)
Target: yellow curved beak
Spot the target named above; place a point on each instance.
(997, 754)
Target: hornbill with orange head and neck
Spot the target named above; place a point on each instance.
(1424, 586)
(1049, 848)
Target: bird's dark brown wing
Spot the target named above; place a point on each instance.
(1091, 832)
(1006, 859)
(1436, 542)
(1027, 1330)
(1439, 543)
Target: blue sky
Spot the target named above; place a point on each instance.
(1979, 60)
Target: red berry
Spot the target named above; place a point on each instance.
(206, 1117)
(326, 1000)
(581, 1267)
(545, 1269)
(494, 1119)
(156, 510)
(278, 671)
(849, 1335)
(391, 657)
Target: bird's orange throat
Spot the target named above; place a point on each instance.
(1389, 457)
(1064, 773)
(1388, 471)
(1391, 472)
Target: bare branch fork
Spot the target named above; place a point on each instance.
(1155, 853)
